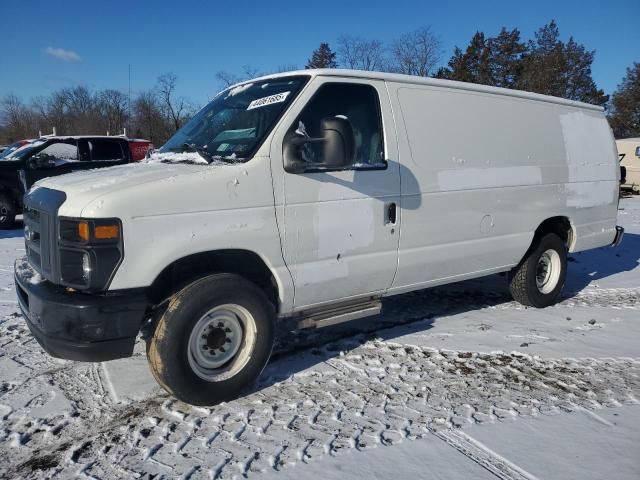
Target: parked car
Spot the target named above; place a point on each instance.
(307, 197)
(51, 156)
(629, 153)
(9, 149)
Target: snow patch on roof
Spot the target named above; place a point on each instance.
(239, 89)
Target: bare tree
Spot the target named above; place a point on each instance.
(361, 54)
(416, 53)
(175, 107)
(17, 118)
(148, 119)
(227, 78)
(113, 106)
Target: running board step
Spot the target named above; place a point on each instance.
(343, 313)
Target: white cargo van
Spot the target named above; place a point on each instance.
(310, 196)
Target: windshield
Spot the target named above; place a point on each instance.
(234, 124)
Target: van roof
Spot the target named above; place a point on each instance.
(411, 79)
(629, 140)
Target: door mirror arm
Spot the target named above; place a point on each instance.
(41, 160)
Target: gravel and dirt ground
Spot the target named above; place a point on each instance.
(453, 382)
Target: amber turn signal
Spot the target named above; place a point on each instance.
(107, 232)
(83, 231)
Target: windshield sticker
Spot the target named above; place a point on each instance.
(270, 100)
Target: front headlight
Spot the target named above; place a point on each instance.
(90, 251)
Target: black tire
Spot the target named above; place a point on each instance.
(523, 282)
(7, 212)
(168, 349)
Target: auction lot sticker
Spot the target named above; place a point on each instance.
(271, 99)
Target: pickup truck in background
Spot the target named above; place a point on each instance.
(50, 156)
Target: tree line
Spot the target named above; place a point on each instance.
(154, 114)
(543, 64)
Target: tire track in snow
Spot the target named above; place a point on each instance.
(484, 456)
(376, 395)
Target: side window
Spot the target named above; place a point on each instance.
(105, 150)
(62, 152)
(361, 106)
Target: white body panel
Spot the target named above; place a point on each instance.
(486, 171)
(630, 148)
(335, 238)
(474, 171)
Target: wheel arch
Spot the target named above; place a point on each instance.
(561, 226)
(189, 268)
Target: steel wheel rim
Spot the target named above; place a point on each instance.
(548, 271)
(221, 342)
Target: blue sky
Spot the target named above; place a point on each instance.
(197, 39)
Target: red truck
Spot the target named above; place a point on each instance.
(139, 148)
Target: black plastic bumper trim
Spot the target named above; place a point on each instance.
(618, 238)
(80, 326)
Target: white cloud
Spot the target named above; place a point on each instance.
(62, 54)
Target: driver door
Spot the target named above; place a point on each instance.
(339, 231)
(54, 158)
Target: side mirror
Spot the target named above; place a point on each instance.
(338, 146)
(41, 160)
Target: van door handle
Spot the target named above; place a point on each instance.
(391, 213)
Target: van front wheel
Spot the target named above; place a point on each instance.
(213, 340)
(539, 278)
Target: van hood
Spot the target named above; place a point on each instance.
(141, 189)
(100, 181)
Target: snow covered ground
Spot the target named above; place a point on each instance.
(455, 382)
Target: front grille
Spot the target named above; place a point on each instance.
(40, 230)
(37, 228)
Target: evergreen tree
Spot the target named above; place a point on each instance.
(472, 65)
(625, 105)
(322, 57)
(505, 58)
(561, 69)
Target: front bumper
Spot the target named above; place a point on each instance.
(75, 325)
(618, 238)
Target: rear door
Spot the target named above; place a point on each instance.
(338, 227)
(105, 152)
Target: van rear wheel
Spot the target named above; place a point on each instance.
(213, 340)
(538, 280)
